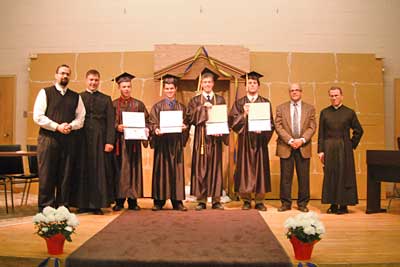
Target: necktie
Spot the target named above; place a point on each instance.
(171, 104)
(208, 98)
(296, 128)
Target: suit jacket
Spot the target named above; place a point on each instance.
(283, 127)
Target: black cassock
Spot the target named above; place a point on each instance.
(337, 143)
(95, 182)
(168, 165)
(252, 173)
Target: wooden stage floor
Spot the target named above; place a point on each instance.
(354, 239)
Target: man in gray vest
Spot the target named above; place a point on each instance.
(58, 111)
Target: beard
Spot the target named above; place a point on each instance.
(64, 82)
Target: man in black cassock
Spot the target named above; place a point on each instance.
(96, 183)
(206, 174)
(335, 150)
(129, 182)
(252, 174)
(59, 112)
(168, 165)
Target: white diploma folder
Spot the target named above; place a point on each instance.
(217, 120)
(259, 118)
(171, 121)
(135, 125)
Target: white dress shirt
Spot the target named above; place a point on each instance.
(252, 98)
(39, 110)
(210, 94)
(298, 117)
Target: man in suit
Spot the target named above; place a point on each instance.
(295, 125)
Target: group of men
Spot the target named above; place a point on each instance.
(85, 161)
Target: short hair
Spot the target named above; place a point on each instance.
(170, 80)
(124, 79)
(291, 84)
(336, 88)
(252, 77)
(62, 66)
(93, 72)
(208, 75)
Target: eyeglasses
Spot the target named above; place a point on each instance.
(295, 90)
(64, 73)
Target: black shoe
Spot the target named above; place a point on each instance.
(82, 210)
(201, 206)
(134, 207)
(156, 208)
(117, 208)
(180, 207)
(261, 207)
(246, 205)
(333, 209)
(97, 212)
(303, 209)
(217, 206)
(342, 210)
(284, 208)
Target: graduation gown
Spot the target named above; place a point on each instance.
(96, 179)
(129, 178)
(168, 180)
(337, 143)
(252, 173)
(206, 174)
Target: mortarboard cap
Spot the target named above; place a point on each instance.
(207, 70)
(169, 77)
(124, 77)
(252, 75)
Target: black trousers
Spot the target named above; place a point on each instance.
(303, 177)
(56, 161)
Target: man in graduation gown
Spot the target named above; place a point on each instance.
(252, 174)
(59, 112)
(128, 152)
(295, 126)
(95, 186)
(335, 150)
(168, 166)
(206, 173)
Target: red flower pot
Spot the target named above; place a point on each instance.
(55, 244)
(302, 251)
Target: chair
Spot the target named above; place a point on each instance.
(33, 176)
(27, 178)
(10, 166)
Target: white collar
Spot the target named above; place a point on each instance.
(211, 94)
(61, 89)
(90, 91)
(251, 97)
(298, 102)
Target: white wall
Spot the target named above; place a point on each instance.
(45, 26)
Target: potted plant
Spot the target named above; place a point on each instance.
(303, 231)
(55, 226)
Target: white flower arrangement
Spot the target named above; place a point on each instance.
(55, 221)
(306, 227)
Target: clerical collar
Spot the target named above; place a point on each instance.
(252, 98)
(337, 107)
(61, 89)
(210, 94)
(90, 91)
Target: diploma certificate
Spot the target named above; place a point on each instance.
(217, 120)
(134, 125)
(259, 118)
(171, 121)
